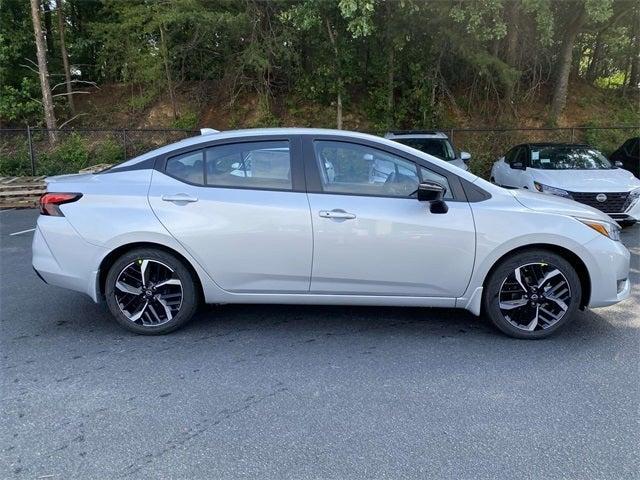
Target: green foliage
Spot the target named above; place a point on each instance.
(186, 121)
(405, 62)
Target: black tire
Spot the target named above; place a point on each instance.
(158, 259)
(531, 265)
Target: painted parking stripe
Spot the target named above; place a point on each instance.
(23, 231)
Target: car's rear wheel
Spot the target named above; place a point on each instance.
(150, 292)
(532, 294)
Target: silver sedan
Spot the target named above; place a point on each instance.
(313, 216)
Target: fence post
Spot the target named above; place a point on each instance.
(124, 144)
(31, 155)
(451, 136)
(573, 134)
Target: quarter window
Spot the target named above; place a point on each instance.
(432, 176)
(250, 165)
(187, 167)
(360, 170)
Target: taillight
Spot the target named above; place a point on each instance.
(50, 202)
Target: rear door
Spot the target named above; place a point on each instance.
(371, 235)
(239, 207)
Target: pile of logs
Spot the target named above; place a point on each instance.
(21, 192)
(24, 192)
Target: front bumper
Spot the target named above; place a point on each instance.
(63, 258)
(609, 272)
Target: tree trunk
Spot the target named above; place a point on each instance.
(511, 40)
(167, 70)
(390, 84)
(563, 70)
(592, 69)
(334, 44)
(65, 58)
(47, 25)
(47, 100)
(634, 76)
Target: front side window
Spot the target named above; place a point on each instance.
(187, 167)
(568, 158)
(360, 170)
(250, 165)
(440, 148)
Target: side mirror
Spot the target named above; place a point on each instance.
(618, 164)
(465, 156)
(517, 165)
(433, 193)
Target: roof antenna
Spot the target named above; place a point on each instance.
(208, 131)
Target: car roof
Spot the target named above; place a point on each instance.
(554, 144)
(393, 134)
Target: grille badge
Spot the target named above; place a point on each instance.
(601, 197)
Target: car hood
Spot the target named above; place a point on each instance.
(597, 181)
(542, 202)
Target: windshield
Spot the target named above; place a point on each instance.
(438, 147)
(568, 158)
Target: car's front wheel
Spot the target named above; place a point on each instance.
(532, 294)
(150, 291)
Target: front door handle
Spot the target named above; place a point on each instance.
(179, 197)
(336, 213)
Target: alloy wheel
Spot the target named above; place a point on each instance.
(534, 296)
(148, 292)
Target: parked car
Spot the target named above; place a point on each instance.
(159, 234)
(628, 155)
(431, 142)
(574, 171)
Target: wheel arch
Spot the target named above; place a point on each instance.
(575, 261)
(116, 253)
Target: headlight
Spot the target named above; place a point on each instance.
(551, 190)
(608, 229)
(634, 195)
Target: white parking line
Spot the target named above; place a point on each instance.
(22, 231)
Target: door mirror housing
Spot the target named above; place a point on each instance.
(518, 166)
(465, 156)
(433, 193)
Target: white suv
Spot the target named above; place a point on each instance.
(431, 142)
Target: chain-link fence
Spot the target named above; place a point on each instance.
(35, 151)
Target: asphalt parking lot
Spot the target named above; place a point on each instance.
(308, 392)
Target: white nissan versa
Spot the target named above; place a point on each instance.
(304, 216)
(572, 171)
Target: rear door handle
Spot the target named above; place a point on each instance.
(336, 213)
(179, 197)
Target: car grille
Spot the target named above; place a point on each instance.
(616, 202)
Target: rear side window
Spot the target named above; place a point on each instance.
(188, 167)
(249, 165)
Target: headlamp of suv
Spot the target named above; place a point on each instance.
(541, 187)
(634, 196)
(608, 229)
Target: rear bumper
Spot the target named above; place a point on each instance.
(609, 272)
(61, 257)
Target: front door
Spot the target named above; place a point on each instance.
(238, 211)
(373, 237)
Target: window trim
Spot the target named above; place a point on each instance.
(312, 167)
(298, 181)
